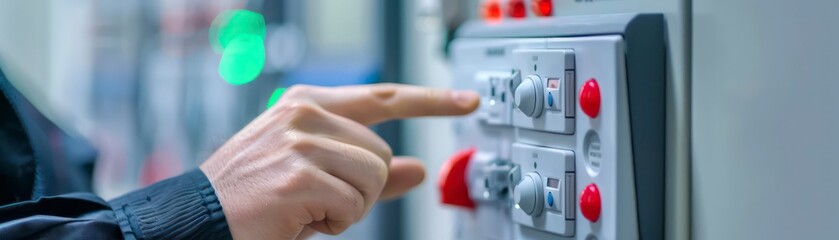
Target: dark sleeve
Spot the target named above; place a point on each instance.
(183, 207)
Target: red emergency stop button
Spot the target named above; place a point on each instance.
(452, 183)
(590, 203)
(590, 98)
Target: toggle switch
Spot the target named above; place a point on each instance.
(452, 182)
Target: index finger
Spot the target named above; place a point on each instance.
(374, 103)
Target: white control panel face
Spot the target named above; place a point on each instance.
(496, 96)
(545, 196)
(547, 85)
(555, 111)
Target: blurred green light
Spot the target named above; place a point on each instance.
(275, 97)
(232, 24)
(239, 35)
(242, 59)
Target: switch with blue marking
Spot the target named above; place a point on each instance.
(552, 90)
(550, 100)
(550, 199)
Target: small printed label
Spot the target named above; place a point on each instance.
(593, 153)
(495, 52)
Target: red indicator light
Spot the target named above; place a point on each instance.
(543, 8)
(491, 11)
(516, 9)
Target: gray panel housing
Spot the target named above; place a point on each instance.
(645, 59)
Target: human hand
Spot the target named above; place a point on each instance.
(309, 163)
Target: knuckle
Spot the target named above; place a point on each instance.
(381, 170)
(431, 95)
(432, 98)
(385, 95)
(308, 172)
(377, 167)
(384, 91)
(370, 164)
(368, 159)
(353, 203)
(297, 112)
(301, 144)
(299, 90)
(376, 144)
(298, 180)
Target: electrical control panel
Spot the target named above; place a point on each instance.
(568, 142)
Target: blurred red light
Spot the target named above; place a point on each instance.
(516, 9)
(542, 8)
(491, 10)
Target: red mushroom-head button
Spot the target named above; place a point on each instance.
(590, 203)
(452, 183)
(590, 98)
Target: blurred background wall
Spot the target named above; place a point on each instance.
(139, 80)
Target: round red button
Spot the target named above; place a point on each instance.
(590, 203)
(590, 98)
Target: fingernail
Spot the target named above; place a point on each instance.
(465, 99)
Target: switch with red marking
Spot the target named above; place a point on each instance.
(453, 188)
(590, 203)
(590, 98)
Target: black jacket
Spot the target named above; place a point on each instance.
(45, 189)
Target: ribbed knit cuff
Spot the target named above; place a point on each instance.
(183, 207)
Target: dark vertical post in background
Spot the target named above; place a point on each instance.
(391, 20)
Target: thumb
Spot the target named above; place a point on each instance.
(404, 173)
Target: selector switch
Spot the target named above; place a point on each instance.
(540, 100)
(529, 96)
(541, 197)
(529, 194)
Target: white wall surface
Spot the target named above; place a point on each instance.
(24, 44)
(46, 51)
(765, 133)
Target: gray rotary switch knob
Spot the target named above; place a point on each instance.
(529, 194)
(530, 96)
